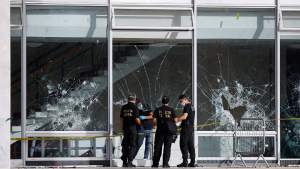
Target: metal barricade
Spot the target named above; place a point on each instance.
(249, 138)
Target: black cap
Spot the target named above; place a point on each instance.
(165, 100)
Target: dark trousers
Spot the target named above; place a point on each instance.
(162, 138)
(129, 143)
(187, 142)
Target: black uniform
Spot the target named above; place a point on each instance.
(129, 113)
(187, 134)
(161, 137)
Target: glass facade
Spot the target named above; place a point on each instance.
(69, 50)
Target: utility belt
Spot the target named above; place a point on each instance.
(186, 123)
(132, 125)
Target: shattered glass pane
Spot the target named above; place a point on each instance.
(94, 147)
(290, 96)
(66, 68)
(236, 62)
(15, 121)
(151, 68)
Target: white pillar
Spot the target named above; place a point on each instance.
(5, 84)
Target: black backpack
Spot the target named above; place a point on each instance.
(170, 127)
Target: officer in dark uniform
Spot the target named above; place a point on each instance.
(130, 120)
(161, 115)
(187, 132)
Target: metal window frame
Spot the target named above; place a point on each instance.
(155, 27)
(23, 88)
(277, 82)
(281, 27)
(279, 34)
(194, 75)
(24, 132)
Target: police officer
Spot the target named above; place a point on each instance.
(187, 132)
(161, 115)
(130, 120)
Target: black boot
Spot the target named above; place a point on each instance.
(192, 164)
(166, 166)
(130, 165)
(125, 164)
(183, 164)
(154, 166)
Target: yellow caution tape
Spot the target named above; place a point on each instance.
(237, 16)
(72, 138)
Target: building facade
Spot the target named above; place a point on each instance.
(73, 63)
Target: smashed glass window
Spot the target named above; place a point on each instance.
(236, 61)
(66, 68)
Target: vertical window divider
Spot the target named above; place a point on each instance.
(277, 79)
(23, 87)
(110, 84)
(194, 71)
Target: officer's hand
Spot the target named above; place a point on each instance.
(142, 117)
(142, 129)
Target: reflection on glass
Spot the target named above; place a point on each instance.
(66, 68)
(153, 18)
(289, 96)
(15, 146)
(94, 147)
(291, 19)
(214, 146)
(235, 66)
(151, 68)
(15, 16)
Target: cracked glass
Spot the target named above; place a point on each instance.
(236, 66)
(151, 65)
(289, 96)
(66, 68)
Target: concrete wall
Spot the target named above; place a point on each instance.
(4, 83)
